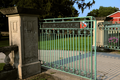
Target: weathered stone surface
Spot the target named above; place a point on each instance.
(30, 33)
(23, 31)
(18, 10)
(8, 48)
(7, 67)
(30, 70)
(99, 34)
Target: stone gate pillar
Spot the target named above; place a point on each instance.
(23, 32)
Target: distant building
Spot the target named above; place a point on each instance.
(115, 17)
(102, 35)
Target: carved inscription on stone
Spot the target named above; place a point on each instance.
(30, 41)
(61, 25)
(14, 32)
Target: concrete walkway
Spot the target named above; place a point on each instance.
(108, 66)
(2, 56)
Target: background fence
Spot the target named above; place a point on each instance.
(111, 34)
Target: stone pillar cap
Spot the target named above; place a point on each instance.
(19, 10)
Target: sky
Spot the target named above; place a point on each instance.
(98, 3)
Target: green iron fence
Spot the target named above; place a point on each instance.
(111, 34)
(65, 44)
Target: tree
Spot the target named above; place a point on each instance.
(55, 8)
(51, 8)
(3, 19)
(94, 13)
(102, 11)
(82, 5)
(105, 11)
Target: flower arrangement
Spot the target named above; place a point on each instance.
(113, 40)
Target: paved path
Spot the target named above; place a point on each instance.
(2, 56)
(108, 65)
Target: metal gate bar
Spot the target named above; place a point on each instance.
(69, 48)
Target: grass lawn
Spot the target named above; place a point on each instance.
(76, 43)
(1, 66)
(4, 41)
(73, 43)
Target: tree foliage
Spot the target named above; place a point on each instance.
(82, 5)
(55, 8)
(50, 8)
(3, 19)
(102, 11)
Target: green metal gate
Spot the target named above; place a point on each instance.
(65, 44)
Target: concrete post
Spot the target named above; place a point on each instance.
(23, 32)
(99, 35)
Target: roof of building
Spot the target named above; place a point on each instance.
(113, 13)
